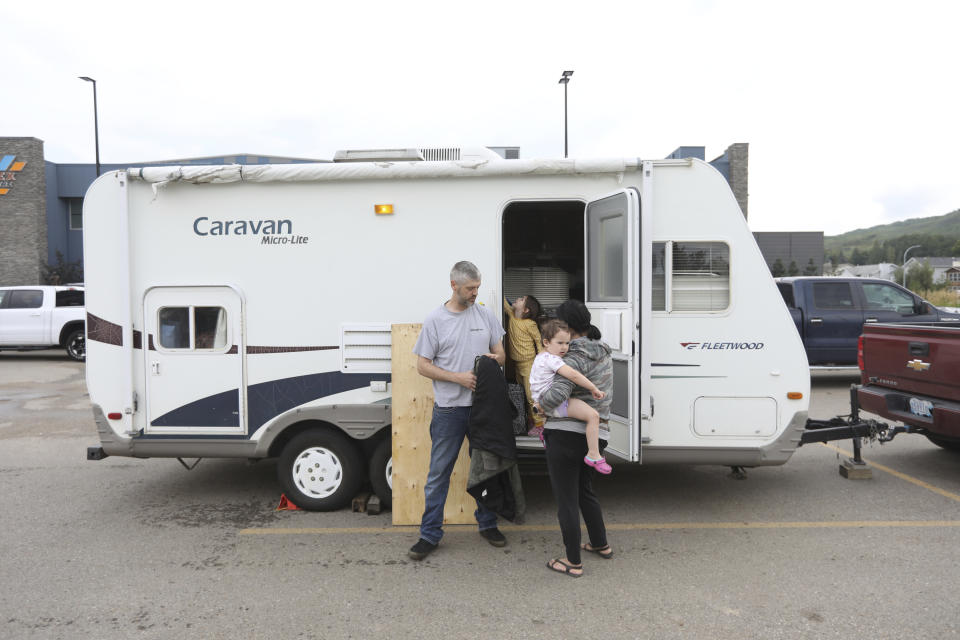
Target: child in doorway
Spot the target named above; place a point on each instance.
(556, 342)
(523, 344)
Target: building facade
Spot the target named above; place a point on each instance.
(798, 252)
(23, 188)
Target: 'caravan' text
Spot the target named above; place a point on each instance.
(203, 226)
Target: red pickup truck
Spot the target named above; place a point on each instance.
(911, 373)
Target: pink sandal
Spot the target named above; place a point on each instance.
(600, 465)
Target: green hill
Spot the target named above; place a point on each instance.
(937, 235)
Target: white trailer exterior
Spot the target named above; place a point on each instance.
(245, 311)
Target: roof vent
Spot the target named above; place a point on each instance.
(377, 155)
(440, 153)
(434, 154)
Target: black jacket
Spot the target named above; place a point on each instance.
(494, 479)
(491, 418)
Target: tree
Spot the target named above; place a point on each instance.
(777, 270)
(63, 272)
(920, 277)
(793, 269)
(837, 258)
(858, 257)
(810, 269)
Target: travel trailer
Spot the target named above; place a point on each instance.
(246, 311)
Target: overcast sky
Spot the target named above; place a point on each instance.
(850, 108)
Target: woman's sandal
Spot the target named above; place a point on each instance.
(604, 552)
(565, 568)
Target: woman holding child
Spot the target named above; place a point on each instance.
(566, 439)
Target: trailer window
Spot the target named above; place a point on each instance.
(175, 328)
(698, 274)
(193, 328)
(210, 327)
(606, 233)
(659, 277)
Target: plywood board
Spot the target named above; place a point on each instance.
(412, 409)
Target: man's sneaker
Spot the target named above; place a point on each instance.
(494, 537)
(421, 550)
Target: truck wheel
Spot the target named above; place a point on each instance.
(381, 472)
(320, 470)
(77, 345)
(945, 443)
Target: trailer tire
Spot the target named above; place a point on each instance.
(320, 470)
(945, 443)
(76, 345)
(381, 472)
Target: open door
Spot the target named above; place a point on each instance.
(615, 266)
(194, 361)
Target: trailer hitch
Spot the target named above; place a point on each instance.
(850, 426)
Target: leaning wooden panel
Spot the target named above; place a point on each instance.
(412, 408)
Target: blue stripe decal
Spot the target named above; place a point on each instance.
(6, 162)
(265, 400)
(220, 410)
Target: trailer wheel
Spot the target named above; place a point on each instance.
(381, 472)
(76, 345)
(945, 443)
(320, 470)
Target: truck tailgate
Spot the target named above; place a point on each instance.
(918, 359)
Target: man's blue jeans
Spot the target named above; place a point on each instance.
(447, 431)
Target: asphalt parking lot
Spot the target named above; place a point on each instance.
(143, 548)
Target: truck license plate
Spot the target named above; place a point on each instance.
(922, 408)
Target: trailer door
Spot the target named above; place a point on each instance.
(612, 252)
(193, 351)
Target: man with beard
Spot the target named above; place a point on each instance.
(453, 335)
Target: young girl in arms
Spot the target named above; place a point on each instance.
(556, 342)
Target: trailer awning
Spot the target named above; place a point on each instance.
(216, 174)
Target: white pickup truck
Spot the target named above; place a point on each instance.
(41, 317)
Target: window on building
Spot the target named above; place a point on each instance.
(691, 276)
(193, 328)
(76, 213)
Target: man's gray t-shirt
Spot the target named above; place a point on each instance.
(452, 341)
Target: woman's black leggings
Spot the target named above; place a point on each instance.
(572, 485)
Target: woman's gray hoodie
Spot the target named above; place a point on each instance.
(592, 359)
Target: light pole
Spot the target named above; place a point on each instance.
(96, 130)
(909, 249)
(565, 80)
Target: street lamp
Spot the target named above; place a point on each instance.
(565, 80)
(909, 249)
(96, 130)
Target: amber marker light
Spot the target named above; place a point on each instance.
(794, 395)
(383, 209)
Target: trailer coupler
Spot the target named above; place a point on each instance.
(850, 426)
